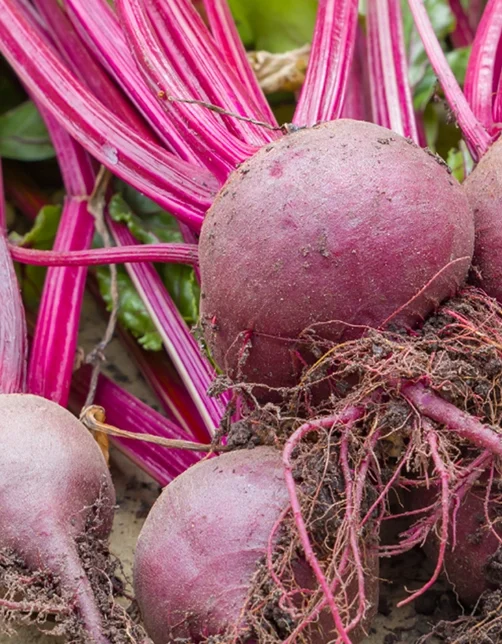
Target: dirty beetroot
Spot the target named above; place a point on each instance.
(483, 188)
(328, 228)
(221, 540)
(56, 513)
(334, 262)
(474, 566)
(359, 293)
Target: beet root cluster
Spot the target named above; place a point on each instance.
(334, 265)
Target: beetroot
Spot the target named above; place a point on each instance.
(202, 543)
(345, 223)
(471, 560)
(469, 565)
(483, 188)
(54, 488)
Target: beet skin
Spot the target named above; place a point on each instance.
(345, 222)
(473, 554)
(202, 543)
(484, 190)
(52, 479)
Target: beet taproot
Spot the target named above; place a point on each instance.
(335, 227)
(204, 540)
(54, 488)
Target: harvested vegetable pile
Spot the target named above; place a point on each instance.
(412, 414)
(347, 369)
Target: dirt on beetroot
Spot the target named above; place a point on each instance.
(37, 598)
(456, 355)
(374, 438)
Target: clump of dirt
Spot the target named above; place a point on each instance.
(482, 626)
(36, 597)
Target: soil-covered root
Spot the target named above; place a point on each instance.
(57, 503)
(285, 559)
(38, 598)
(408, 409)
(320, 573)
(429, 398)
(482, 626)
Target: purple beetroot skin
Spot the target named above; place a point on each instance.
(484, 190)
(52, 474)
(202, 542)
(472, 557)
(345, 222)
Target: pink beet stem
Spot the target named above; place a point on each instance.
(198, 55)
(81, 62)
(392, 100)
(401, 71)
(475, 133)
(194, 369)
(166, 253)
(99, 28)
(228, 40)
(54, 341)
(357, 100)
(379, 105)
(180, 188)
(3, 218)
(209, 140)
(463, 35)
(483, 70)
(13, 341)
(323, 92)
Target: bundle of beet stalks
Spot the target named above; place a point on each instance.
(346, 366)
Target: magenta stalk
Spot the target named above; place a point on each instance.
(477, 138)
(323, 92)
(165, 253)
(13, 342)
(176, 186)
(228, 40)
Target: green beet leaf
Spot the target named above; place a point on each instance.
(274, 25)
(23, 135)
(132, 313)
(41, 237)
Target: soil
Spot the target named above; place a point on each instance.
(392, 625)
(136, 493)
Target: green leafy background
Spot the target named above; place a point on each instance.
(149, 225)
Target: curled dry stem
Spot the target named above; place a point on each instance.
(93, 417)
